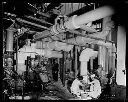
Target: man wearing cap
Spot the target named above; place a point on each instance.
(76, 87)
(95, 88)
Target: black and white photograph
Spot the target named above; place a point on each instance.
(64, 51)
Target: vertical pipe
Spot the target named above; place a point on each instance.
(113, 58)
(91, 59)
(110, 60)
(121, 53)
(9, 40)
(76, 71)
(16, 55)
(63, 69)
(106, 61)
(83, 68)
(100, 55)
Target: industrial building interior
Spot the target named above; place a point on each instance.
(63, 51)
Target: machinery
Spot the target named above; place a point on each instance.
(46, 45)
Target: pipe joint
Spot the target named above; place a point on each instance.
(70, 24)
(54, 30)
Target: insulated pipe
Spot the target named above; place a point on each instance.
(54, 45)
(88, 29)
(75, 21)
(90, 16)
(34, 24)
(84, 58)
(9, 41)
(121, 56)
(84, 41)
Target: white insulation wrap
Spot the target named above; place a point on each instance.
(54, 46)
(9, 41)
(32, 51)
(75, 21)
(84, 58)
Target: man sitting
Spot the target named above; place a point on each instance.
(95, 88)
(77, 86)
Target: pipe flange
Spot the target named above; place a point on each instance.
(54, 31)
(76, 27)
(70, 23)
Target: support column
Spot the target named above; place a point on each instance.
(83, 70)
(76, 63)
(121, 53)
(91, 59)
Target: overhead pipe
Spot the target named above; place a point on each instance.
(83, 41)
(88, 29)
(97, 38)
(32, 50)
(75, 21)
(34, 24)
(55, 45)
(37, 11)
(33, 18)
(89, 17)
(84, 58)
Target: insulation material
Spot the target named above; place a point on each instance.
(21, 68)
(100, 56)
(76, 63)
(110, 59)
(84, 57)
(113, 58)
(103, 56)
(91, 59)
(79, 40)
(106, 61)
(39, 44)
(54, 45)
(49, 54)
(9, 41)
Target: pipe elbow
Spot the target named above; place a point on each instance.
(70, 24)
(86, 54)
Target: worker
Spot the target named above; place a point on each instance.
(76, 87)
(95, 88)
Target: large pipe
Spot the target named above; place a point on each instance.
(89, 17)
(9, 41)
(88, 29)
(54, 45)
(34, 24)
(75, 22)
(84, 58)
(33, 18)
(121, 54)
(83, 41)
